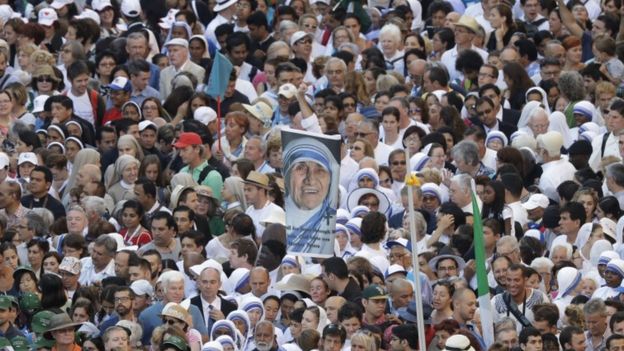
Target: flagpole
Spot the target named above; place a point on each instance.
(219, 121)
(420, 322)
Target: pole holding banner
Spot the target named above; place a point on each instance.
(411, 181)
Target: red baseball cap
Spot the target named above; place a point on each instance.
(188, 139)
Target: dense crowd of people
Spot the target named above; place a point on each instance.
(139, 212)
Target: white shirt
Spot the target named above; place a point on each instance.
(88, 276)
(260, 214)
(519, 213)
(554, 173)
(489, 159)
(82, 106)
(449, 57)
(209, 34)
(382, 153)
(216, 305)
(611, 149)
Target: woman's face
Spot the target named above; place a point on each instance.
(275, 158)
(130, 218)
(80, 315)
(442, 336)
(51, 264)
(271, 308)
(495, 144)
(389, 45)
(385, 180)
(20, 147)
(366, 182)
(105, 67)
(534, 281)
(196, 103)
(357, 151)
(66, 55)
(496, 20)
(413, 142)
(438, 157)
(24, 60)
(589, 204)
(390, 124)
(438, 45)
(588, 286)
(342, 239)
(318, 292)
(71, 33)
(254, 316)
(44, 84)
(381, 102)
(441, 298)
(411, 43)
(580, 13)
(10, 35)
(310, 25)
(489, 195)
(573, 55)
(356, 241)
(434, 116)
(357, 345)
(71, 150)
(27, 284)
(309, 321)
(233, 131)
(330, 110)
(369, 81)
(353, 25)
(107, 16)
(289, 268)
(151, 172)
(10, 258)
(179, 32)
(131, 111)
(130, 173)
(196, 49)
(150, 110)
(126, 148)
(6, 105)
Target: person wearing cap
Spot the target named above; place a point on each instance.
(556, 169)
(465, 30)
(535, 207)
(69, 269)
(143, 292)
(374, 300)
(7, 329)
(179, 60)
(39, 186)
(120, 89)
(62, 330)
(191, 149)
(260, 114)
(259, 204)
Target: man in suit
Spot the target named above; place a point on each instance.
(211, 305)
(178, 53)
(487, 118)
(502, 114)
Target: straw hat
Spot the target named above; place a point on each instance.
(294, 282)
(257, 179)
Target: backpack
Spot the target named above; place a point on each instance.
(204, 173)
(533, 27)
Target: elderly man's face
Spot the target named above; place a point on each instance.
(177, 55)
(539, 123)
(458, 195)
(76, 222)
(264, 336)
(335, 73)
(309, 182)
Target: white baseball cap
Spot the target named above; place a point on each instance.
(205, 115)
(287, 90)
(58, 4)
(142, 287)
(88, 13)
(27, 157)
(131, 8)
(47, 17)
(4, 160)
(99, 5)
(145, 124)
(39, 103)
(535, 201)
(298, 36)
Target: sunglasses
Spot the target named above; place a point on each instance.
(44, 79)
(169, 321)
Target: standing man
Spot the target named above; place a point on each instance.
(191, 150)
(39, 186)
(137, 47)
(336, 275)
(259, 204)
(10, 205)
(124, 301)
(178, 53)
(404, 338)
(556, 169)
(101, 263)
(212, 306)
(465, 30)
(164, 241)
(334, 337)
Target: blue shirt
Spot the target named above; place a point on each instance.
(154, 81)
(150, 319)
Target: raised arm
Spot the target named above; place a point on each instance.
(568, 20)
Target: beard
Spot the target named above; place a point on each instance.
(264, 346)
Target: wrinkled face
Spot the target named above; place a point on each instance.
(76, 222)
(310, 182)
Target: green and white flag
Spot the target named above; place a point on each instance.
(483, 288)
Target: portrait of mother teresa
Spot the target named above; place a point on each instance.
(312, 178)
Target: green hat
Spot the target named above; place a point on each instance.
(43, 343)
(374, 292)
(5, 302)
(20, 343)
(41, 321)
(176, 342)
(60, 321)
(30, 302)
(4, 342)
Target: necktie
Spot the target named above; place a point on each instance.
(209, 320)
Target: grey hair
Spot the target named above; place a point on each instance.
(595, 306)
(286, 25)
(273, 48)
(505, 324)
(463, 180)
(542, 262)
(400, 283)
(36, 224)
(95, 203)
(571, 85)
(135, 36)
(263, 144)
(567, 246)
(170, 277)
(507, 240)
(46, 216)
(351, 47)
(77, 209)
(109, 244)
(616, 171)
(335, 60)
(385, 82)
(391, 29)
(468, 151)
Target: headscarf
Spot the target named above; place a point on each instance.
(568, 279)
(135, 105)
(498, 135)
(240, 315)
(304, 222)
(364, 172)
(527, 111)
(227, 340)
(348, 250)
(251, 302)
(419, 160)
(542, 93)
(75, 140)
(323, 320)
(223, 323)
(206, 53)
(120, 165)
(83, 157)
(238, 279)
(129, 139)
(558, 124)
(235, 186)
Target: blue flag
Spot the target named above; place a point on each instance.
(219, 77)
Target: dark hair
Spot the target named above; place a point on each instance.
(258, 19)
(52, 292)
(245, 247)
(30, 138)
(566, 190)
(566, 335)
(64, 100)
(336, 266)
(350, 310)
(236, 39)
(373, 227)
(610, 206)
(77, 68)
(243, 225)
(438, 74)
(468, 60)
(407, 332)
(528, 48)
(575, 210)
(451, 208)
(297, 314)
(148, 187)
(513, 183)
(519, 78)
(439, 5)
(196, 236)
(546, 312)
(617, 317)
(529, 331)
(447, 37)
(166, 216)
(134, 204)
(484, 88)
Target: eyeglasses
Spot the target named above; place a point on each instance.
(356, 148)
(397, 256)
(123, 299)
(169, 321)
(362, 134)
(304, 41)
(44, 79)
(398, 163)
(310, 26)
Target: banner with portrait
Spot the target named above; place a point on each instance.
(311, 176)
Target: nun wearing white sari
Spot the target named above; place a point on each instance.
(312, 178)
(568, 281)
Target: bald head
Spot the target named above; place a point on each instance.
(368, 162)
(259, 280)
(417, 67)
(402, 292)
(87, 174)
(332, 305)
